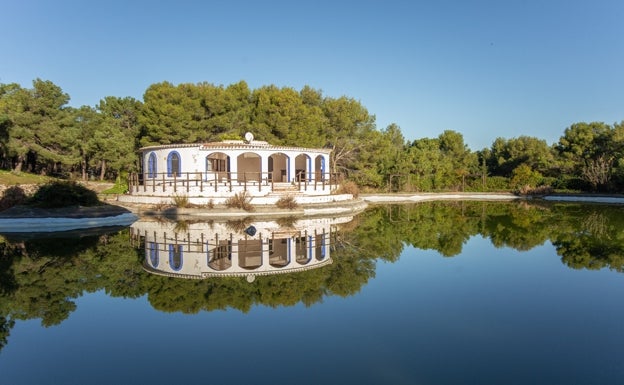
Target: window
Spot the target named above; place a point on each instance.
(153, 253)
(175, 257)
(151, 166)
(173, 164)
(215, 165)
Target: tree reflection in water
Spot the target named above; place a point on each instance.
(40, 277)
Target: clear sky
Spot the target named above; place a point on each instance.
(486, 69)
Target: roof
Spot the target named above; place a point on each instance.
(235, 145)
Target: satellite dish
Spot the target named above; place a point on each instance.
(249, 137)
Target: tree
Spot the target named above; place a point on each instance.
(463, 161)
(280, 116)
(37, 121)
(117, 135)
(507, 154)
(588, 150)
(349, 128)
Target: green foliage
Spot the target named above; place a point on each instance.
(39, 133)
(9, 178)
(508, 154)
(120, 187)
(497, 183)
(524, 177)
(63, 194)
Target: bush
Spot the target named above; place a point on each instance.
(63, 194)
(12, 196)
(181, 201)
(349, 187)
(240, 201)
(497, 183)
(528, 190)
(287, 202)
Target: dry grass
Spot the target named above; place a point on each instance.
(348, 188)
(541, 190)
(240, 201)
(239, 225)
(287, 202)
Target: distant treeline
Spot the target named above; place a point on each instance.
(40, 133)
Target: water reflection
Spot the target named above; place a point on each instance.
(198, 250)
(41, 277)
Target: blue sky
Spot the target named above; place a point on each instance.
(486, 69)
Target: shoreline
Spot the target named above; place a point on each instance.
(112, 213)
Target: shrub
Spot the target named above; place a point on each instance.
(181, 201)
(349, 187)
(497, 183)
(528, 190)
(63, 194)
(12, 196)
(240, 201)
(287, 202)
(288, 222)
(239, 225)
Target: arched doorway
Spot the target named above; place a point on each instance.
(250, 253)
(279, 251)
(217, 167)
(278, 167)
(249, 166)
(319, 168)
(302, 168)
(220, 257)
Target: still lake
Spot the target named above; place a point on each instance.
(429, 293)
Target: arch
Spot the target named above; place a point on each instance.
(175, 257)
(152, 167)
(303, 252)
(279, 252)
(278, 167)
(321, 247)
(249, 166)
(220, 256)
(152, 250)
(302, 167)
(174, 164)
(217, 166)
(250, 253)
(319, 168)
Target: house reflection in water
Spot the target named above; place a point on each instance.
(198, 250)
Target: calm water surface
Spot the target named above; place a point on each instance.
(436, 293)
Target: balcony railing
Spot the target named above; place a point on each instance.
(218, 181)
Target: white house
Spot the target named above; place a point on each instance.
(201, 250)
(218, 170)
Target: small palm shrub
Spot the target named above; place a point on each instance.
(181, 201)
